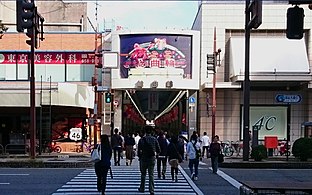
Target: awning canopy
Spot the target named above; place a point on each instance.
(271, 59)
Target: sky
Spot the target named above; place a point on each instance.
(139, 15)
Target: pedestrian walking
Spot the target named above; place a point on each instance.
(148, 148)
(136, 139)
(122, 151)
(194, 153)
(116, 146)
(174, 156)
(129, 143)
(101, 167)
(215, 150)
(162, 157)
(205, 142)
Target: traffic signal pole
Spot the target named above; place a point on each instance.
(32, 95)
(246, 86)
(28, 18)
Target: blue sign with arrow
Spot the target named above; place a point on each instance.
(283, 98)
(192, 100)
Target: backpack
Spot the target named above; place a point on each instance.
(197, 151)
(148, 149)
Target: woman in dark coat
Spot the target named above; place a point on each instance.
(174, 157)
(102, 167)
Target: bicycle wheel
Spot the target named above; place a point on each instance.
(228, 151)
(58, 149)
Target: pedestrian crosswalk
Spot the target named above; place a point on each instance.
(126, 180)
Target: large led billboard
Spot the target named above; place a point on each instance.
(157, 57)
(155, 51)
(268, 121)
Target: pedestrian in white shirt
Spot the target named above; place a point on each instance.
(205, 142)
(136, 139)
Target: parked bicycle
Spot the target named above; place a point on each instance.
(85, 146)
(282, 149)
(227, 148)
(53, 147)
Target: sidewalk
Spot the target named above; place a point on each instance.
(82, 160)
(48, 160)
(273, 162)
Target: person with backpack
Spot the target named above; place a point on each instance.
(162, 157)
(148, 148)
(102, 166)
(194, 153)
(129, 143)
(116, 146)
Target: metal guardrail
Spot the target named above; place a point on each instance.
(15, 149)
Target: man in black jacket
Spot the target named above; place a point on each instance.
(116, 143)
(148, 148)
(162, 157)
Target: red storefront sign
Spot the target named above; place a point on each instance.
(49, 58)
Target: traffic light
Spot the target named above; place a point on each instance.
(108, 98)
(24, 15)
(256, 13)
(295, 16)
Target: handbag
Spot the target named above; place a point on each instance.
(96, 154)
(179, 155)
(174, 163)
(220, 157)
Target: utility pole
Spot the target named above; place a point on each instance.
(28, 18)
(253, 19)
(97, 114)
(213, 60)
(214, 105)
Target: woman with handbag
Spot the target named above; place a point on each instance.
(215, 150)
(102, 166)
(194, 153)
(174, 157)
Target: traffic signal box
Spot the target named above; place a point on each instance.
(24, 15)
(108, 98)
(28, 18)
(295, 19)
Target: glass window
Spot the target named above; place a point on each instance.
(10, 72)
(56, 71)
(22, 72)
(79, 72)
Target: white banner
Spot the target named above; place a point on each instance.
(268, 121)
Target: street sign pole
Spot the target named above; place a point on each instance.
(246, 86)
(32, 95)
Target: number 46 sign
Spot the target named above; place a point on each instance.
(75, 134)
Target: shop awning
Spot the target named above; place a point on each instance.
(271, 59)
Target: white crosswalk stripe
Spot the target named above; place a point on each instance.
(126, 180)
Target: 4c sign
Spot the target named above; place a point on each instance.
(266, 122)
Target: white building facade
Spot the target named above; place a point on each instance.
(280, 95)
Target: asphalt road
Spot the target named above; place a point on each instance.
(42, 181)
(29, 181)
(227, 182)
